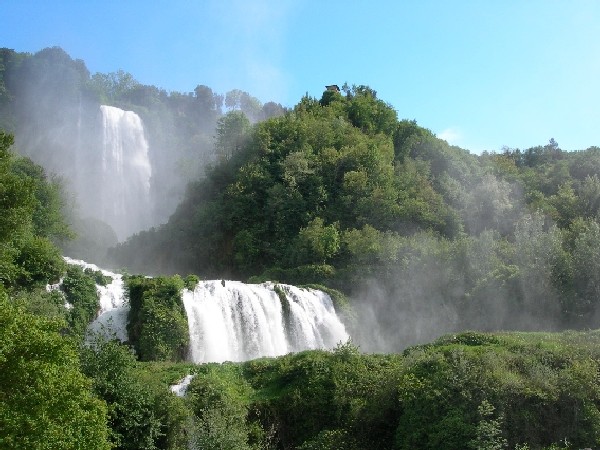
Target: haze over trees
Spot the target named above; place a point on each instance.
(340, 192)
(425, 240)
(50, 103)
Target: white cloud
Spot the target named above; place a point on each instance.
(452, 135)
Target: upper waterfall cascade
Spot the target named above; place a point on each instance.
(125, 172)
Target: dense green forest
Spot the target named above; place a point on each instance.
(425, 237)
(426, 240)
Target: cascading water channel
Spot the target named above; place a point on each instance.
(112, 316)
(125, 178)
(233, 321)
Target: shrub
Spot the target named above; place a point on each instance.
(158, 327)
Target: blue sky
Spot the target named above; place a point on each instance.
(480, 74)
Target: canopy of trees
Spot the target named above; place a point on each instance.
(464, 391)
(340, 192)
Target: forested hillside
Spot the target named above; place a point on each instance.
(425, 237)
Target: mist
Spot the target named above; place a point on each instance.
(499, 277)
(125, 152)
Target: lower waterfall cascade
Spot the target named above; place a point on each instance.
(234, 321)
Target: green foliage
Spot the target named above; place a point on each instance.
(39, 261)
(522, 376)
(49, 204)
(284, 195)
(190, 282)
(320, 242)
(133, 417)
(341, 193)
(232, 130)
(41, 302)
(469, 390)
(328, 440)
(80, 292)
(109, 87)
(16, 199)
(30, 214)
(219, 401)
(370, 114)
(488, 435)
(157, 327)
(45, 401)
(98, 276)
(586, 263)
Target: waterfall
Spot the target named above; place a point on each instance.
(233, 321)
(124, 188)
(180, 388)
(112, 317)
(111, 320)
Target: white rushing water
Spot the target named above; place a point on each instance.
(180, 389)
(126, 171)
(112, 316)
(233, 321)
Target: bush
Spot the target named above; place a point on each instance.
(98, 276)
(45, 401)
(133, 420)
(157, 327)
(40, 262)
(219, 401)
(81, 293)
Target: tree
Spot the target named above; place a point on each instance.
(370, 114)
(45, 401)
(489, 206)
(220, 408)
(113, 86)
(40, 262)
(489, 430)
(404, 130)
(232, 130)
(242, 101)
(538, 251)
(29, 213)
(16, 195)
(586, 272)
(80, 292)
(132, 419)
(589, 196)
(321, 242)
(157, 325)
(49, 204)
